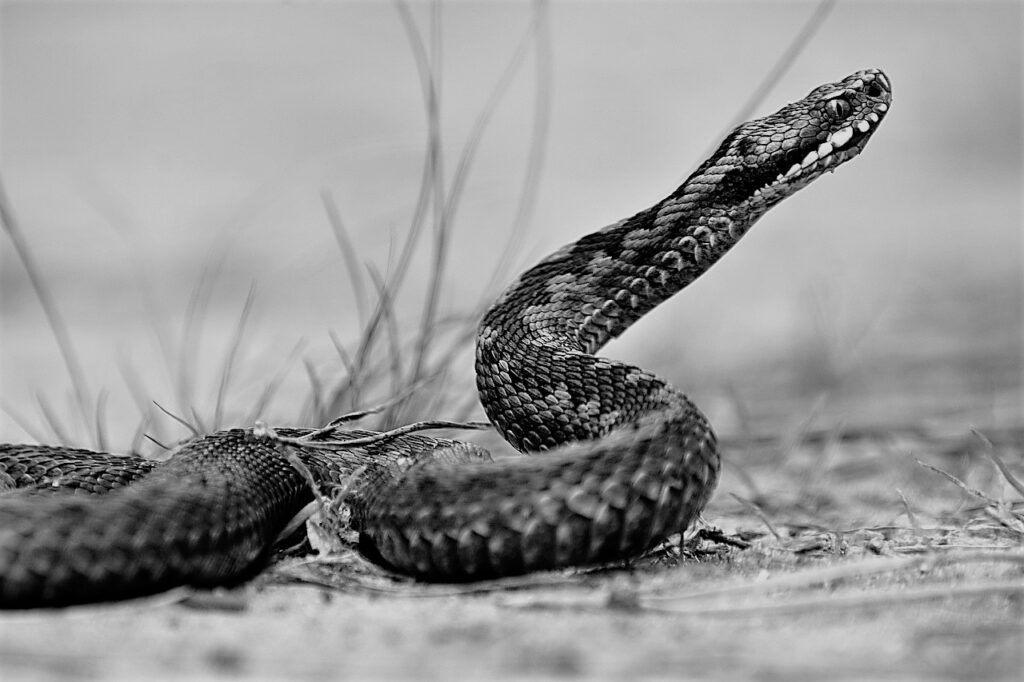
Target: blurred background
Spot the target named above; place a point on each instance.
(168, 157)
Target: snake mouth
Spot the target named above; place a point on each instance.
(840, 146)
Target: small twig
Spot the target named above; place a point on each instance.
(361, 414)
(716, 535)
(304, 441)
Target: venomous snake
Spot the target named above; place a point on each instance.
(629, 459)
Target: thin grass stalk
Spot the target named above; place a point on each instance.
(272, 386)
(538, 141)
(135, 444)
(316, 388)
(428, 67)
(351, 387)
(781, 66)
(195, 313)
(51, 420)
(181, 420)
(394, 343)
(229, 361)
(483, 119)
(348, 252)
(100, 420)
(339, 392)
(23, 424)
(444, 220)
(134, 385)
(58, 327)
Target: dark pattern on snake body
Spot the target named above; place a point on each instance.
(629, 459)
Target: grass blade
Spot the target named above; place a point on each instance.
(348, 252)
(49, 305)
(229, 360)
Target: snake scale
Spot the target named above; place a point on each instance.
(628, 459)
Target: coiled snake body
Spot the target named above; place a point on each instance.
(629, 462)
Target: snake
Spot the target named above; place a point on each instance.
(613, 459)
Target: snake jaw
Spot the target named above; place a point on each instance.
(768, 159)
(866, 95)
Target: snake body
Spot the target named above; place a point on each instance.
(629, 460)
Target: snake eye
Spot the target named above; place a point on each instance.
(838, 108)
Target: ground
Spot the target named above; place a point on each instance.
(847, 559)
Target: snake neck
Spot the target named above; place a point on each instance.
(592, 290)
(541, 334)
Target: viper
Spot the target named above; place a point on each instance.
(616, 460)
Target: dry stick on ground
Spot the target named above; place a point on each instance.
(383, 437)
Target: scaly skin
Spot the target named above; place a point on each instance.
(628, 460)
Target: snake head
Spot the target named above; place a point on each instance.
(765, 160)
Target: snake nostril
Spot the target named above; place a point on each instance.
(874, 90)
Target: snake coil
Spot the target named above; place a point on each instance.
(629, 459)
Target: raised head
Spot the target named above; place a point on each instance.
(765, 160)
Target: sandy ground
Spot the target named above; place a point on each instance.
(302, 632)
(946, 604)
